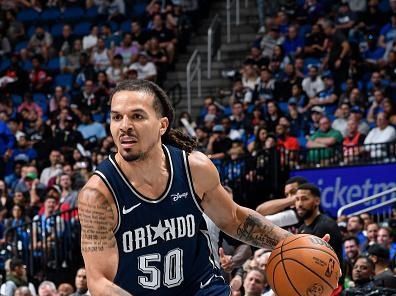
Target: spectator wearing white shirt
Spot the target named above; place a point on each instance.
(313, 84)
(54, 169)
(383, 133)
(145, 69)
(91, 40)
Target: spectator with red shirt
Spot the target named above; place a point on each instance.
(39, 78)
(353, 141)
(284, 139)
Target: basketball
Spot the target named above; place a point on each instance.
(303, 264)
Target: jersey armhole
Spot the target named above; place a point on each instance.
(195, 196)
(106, 182)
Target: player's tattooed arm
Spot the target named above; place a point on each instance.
(97, 218)
(258, 231)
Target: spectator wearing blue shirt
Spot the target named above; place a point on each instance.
(373, 53)
(293, 44)
(23, 151)
(91, 131)
(7, 141)
(328, 97)
(388, 33)
(355, 227)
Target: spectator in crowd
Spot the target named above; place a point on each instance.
(85, 72)
(286, 141)
(81, 283)
(116, 10)
(91, 40)
(54, 169)
(385, 238)
(254, 282)
(380, 135)
(353, 142)
(40, 43)
(351, 251)
(91, 130)
(259, 141)
(357, 115)
(372, 233)
(68, 198)
(47, 288)
(384, 277)
(325, 137)
(65, 289)
(144, 67)
(167, 39)
(218, 144)
(293, 44)
(71, 61)
(313, 84)
(355, 226)
(158, 56)
(39, 78)
(268, 42)
(128, 49)
(340, 123)
(362, 276)
(101, 56)
(328, 97)
(115, 72)
(23, 291)
(315, 42)
(64, 43)
(307, 206)
(376, 105)
(16, 278)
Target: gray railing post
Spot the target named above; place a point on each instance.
(214, 42)
(191, 72)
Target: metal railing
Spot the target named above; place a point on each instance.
(174, 92)
(214, 42)
(48, 247)
(229, 5)
(193, 69)
(377, 196)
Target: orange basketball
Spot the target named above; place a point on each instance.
(303, 265)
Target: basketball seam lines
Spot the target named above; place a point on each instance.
(319, 276)
(273, 276)
(287, 275)
(305, 247)
(296, 238)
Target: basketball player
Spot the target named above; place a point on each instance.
(141, 213)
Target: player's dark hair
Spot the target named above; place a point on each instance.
(315, 191)
(297, 179)
(163, 107)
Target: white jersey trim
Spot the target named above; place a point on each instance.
(140, 196)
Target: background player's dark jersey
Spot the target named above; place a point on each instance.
(163, 244)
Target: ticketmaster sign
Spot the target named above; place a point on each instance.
(343, 185)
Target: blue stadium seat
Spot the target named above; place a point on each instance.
(41, 100)
(73, 14)
(91, 13)
(20, 45)
(126, 27)
(28, 16)
(283, 107)
(53, 65)
(56, 30)
(65, 80)
(139, 9)
(113, 26)
(16, 99)
(50, 15)
(4, 64)
(27, 65)
(82, 29)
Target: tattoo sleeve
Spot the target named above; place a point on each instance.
(256, 230)
(97, 218)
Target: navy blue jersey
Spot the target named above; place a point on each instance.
(163, 244)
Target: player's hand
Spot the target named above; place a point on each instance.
(226, 261)
(326, 238)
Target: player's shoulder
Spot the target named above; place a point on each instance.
(94, 189)
(200, 163)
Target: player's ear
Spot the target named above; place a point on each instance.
(164, 125)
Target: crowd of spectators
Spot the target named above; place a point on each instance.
(320, 74)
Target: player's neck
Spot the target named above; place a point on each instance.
(146, 170)
(310, 220)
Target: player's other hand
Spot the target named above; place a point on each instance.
(326, 238)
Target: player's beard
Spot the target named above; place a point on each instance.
(137, 156)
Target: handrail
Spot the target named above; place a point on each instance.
(191, 73)
(214, 42)
(366, 199)
(237, 16)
